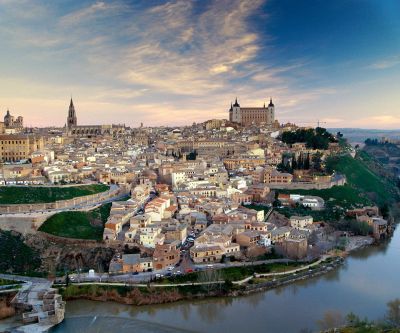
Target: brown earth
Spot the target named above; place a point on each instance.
(62, 254)
(6, 310)
(136, 297)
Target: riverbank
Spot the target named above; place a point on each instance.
(350, 288)
(7, 310)
(160, 293)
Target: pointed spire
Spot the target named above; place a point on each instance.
(236, 102)
(71, 119)
(270, 102)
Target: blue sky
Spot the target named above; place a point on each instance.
(176, 62)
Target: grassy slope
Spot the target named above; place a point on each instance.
(363, 186)
(367, 184)
(79, 225)
(344, 196)
(360, 176)
(15, 256)
(20, 195)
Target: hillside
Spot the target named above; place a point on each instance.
(366, 176)
(79, 225)
(368, 183)
(16, 256)
(387, 154)
(31, 195)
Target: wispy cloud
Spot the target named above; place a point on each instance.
(386, 63)
(151, 63)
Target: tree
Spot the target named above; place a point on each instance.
(371, 142)
(332, 319)
(67, 280)
(295, 164)
(307, 162)
(352, 320)
(300, 163)
(317, 161)
(384, 210)
(393, 313)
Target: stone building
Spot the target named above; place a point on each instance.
(75, 130)
(16, 147)
(165, 255)
(247, 116)
(295, 246)
(10, 122)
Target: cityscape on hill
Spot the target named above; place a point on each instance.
(205, 175)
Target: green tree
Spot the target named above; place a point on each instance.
(393, 313)
(317, 161)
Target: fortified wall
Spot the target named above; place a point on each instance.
(308, 186)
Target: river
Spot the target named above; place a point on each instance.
(369, 279)
(364, 284)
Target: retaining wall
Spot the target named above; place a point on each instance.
(307, 186)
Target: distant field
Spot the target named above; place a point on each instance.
(30, 195)
(78, 225)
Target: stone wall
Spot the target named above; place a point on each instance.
(23, 225)
(307, 186)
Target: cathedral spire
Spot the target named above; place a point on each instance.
(71, 119)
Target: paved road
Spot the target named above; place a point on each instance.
(23, 278)
(132, 282)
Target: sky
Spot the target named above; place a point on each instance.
(179, 62)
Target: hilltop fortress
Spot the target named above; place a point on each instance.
(247, 116)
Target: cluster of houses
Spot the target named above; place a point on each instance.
(216, 180)
(371, 216)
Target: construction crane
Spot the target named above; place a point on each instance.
(311, 122)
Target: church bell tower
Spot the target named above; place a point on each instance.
(71, 119)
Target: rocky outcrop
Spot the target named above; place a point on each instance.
(62, 254)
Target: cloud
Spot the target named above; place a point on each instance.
(188, 54)
(386, 63)
(86, 13)
(162, 63)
